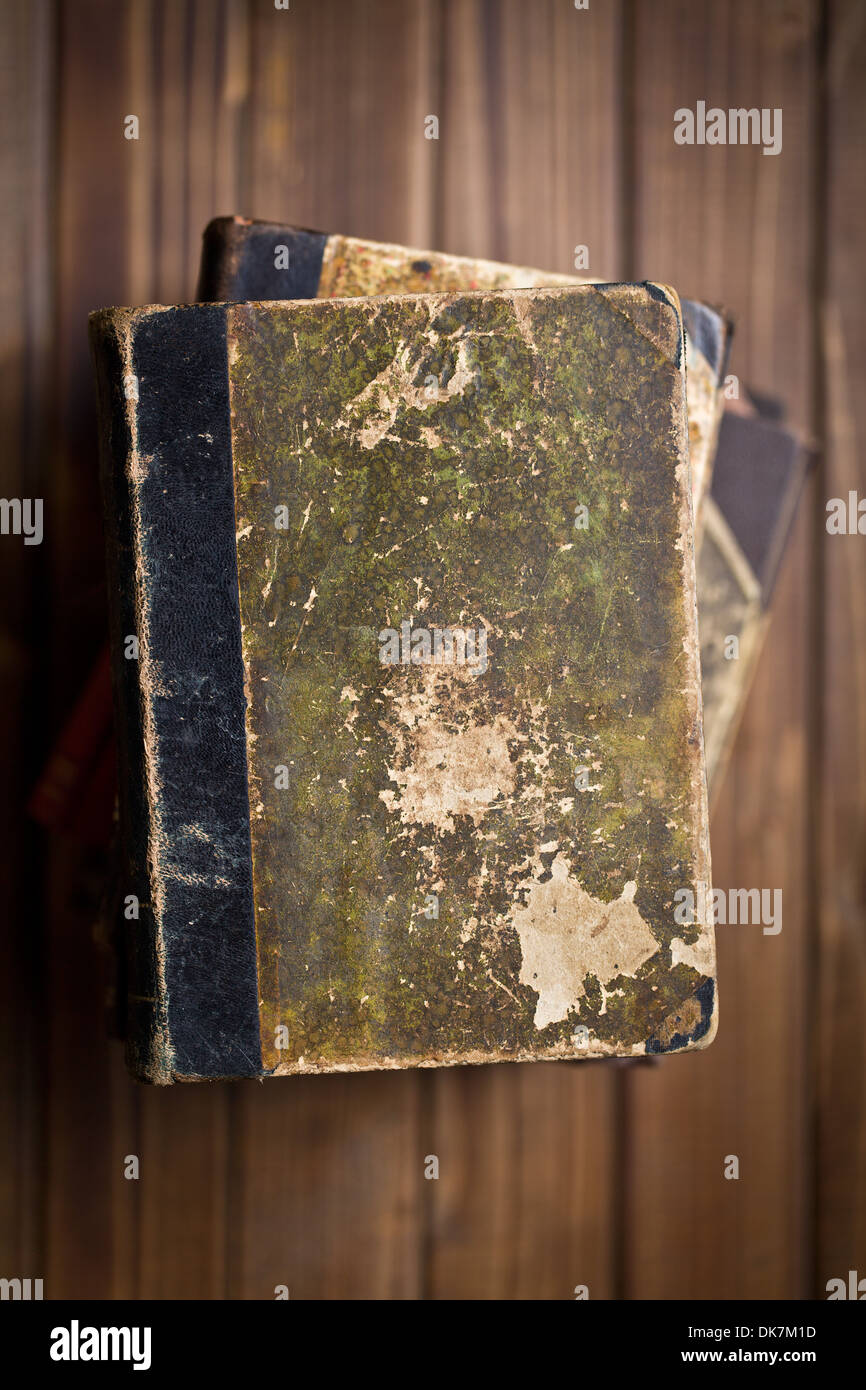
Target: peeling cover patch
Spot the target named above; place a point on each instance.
(567, 935)
(433, 883)
(450, 773)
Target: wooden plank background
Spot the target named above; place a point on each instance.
(555, 130)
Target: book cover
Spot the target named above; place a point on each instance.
(412, 759)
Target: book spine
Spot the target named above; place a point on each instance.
(246, 260)
(179, 679)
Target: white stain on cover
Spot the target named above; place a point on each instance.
(698, 955)
(452, 772)
(566, 935)
(443, 770)
(393, 390)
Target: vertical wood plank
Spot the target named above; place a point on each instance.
(733, 226)
(184, 1148)
(328, 1170)
(26, 395)
(340, 92)
(126, 214)
(523, 1208)
(90, 1211)
(530, 137)
(841, 1189)
(525, 1204)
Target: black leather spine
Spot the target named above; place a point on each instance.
(169, 494)
(243, 260)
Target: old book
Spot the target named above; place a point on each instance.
(759, 475)
(405, 649)
(244, 259)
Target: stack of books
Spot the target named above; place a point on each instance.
(406, 654)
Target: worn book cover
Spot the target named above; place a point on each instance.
(405, 650)
(245, 259)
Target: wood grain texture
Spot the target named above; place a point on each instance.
(527, 1166)
(327, 1173)
(841, 1075)
(84, 1127)
(354, 79)
(530, 134)
(26, 394)
(718, 220)
(181, 1245)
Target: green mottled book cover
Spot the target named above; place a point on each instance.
(471, 736)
